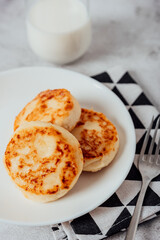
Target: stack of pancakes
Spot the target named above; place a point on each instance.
(53, 141)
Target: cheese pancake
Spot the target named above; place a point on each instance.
(44, 160)
(56, 106)
(98, 139)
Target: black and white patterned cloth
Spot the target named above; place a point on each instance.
(114, 214)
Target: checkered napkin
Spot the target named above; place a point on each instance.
(114, 214)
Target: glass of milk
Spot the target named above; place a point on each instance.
(59, 31)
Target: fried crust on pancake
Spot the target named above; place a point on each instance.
(44, 160)
(56, 106)
(98, 139)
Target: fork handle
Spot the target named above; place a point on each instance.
(137, 212)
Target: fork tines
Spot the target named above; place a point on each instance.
(152, 145)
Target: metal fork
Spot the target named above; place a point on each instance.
(149, 168)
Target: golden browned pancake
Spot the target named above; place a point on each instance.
(44, 160)
(98, 139)
(56, 106)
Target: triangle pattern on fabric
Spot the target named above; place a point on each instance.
(145, 113)
(102, 214)
(116, 73)
(95, 224)
(142, 100)
(154, 185)
(129, 91)
(156, 179)
(109, 85)
(126, 78)
(85, 225)
(128, 190)
(134, 174)
(116, 91)
(113, 201)
(133, 201)
(137, 123)
(122, 222)
(103, 77)
(151, 199)
(139, 134)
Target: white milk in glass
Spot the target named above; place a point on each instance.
(59, 30)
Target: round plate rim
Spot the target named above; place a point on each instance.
(14, 70)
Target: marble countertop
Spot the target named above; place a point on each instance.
(125, 33)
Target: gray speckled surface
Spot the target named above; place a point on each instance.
(125, 33)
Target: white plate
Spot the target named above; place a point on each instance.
(19, 86)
